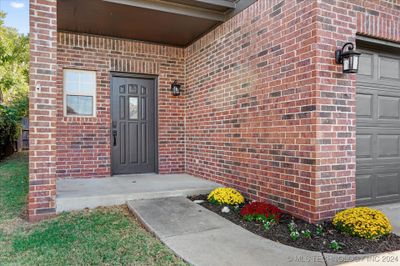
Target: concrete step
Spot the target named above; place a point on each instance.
(77, 194)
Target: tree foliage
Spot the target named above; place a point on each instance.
(14, 75)
(14, 64)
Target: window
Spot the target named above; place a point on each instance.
(133, 107)
(79, 92)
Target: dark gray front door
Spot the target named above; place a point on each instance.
(378, 127)
(133, 125)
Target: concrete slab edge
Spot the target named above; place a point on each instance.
(91, 202)
(142, 221)
(152, 230)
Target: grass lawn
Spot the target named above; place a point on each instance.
(13, 186)
(104, 236)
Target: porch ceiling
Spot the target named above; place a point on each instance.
(172, 22)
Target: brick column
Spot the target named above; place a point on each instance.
(335, 121)
(42, 109)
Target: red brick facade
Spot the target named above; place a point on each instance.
(339, 22)
(264, 109)
(83, 144)
(269, 111)
(251, 123)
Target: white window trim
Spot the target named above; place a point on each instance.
(94, 94)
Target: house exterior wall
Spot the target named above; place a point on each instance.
(269, 112)
(266, 108)
(337, 23)
(252, 122)
(71, 147)
(83, 143)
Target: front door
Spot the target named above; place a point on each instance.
(133, 125)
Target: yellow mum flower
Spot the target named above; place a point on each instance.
(362, 222)
(227, 196)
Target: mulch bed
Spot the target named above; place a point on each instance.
(280, 233)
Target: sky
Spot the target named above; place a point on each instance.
(17, 14)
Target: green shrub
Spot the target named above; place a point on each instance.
(9, 128)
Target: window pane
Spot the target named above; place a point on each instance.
(87, 77)
(79, 105)
(79, 82)
(71, 75)
(71, 87)
(133, 108)
(87, 82)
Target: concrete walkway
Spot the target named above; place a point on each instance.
(392, 211)
(77, 194)
(202, 237)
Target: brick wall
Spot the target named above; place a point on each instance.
(42, 109)
(251, 104)
(83, 144)
(339, 22)
(268, 110)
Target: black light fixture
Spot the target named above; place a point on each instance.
(176, 88)
(349, 58)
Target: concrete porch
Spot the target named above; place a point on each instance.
(77, 194)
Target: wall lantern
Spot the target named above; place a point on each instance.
(348, 58)
(176, 88)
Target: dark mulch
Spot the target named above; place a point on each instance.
(280, 233)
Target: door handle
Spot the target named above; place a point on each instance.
(115, 133)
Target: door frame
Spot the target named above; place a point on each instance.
(116, 74)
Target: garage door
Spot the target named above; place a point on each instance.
(378, 127)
